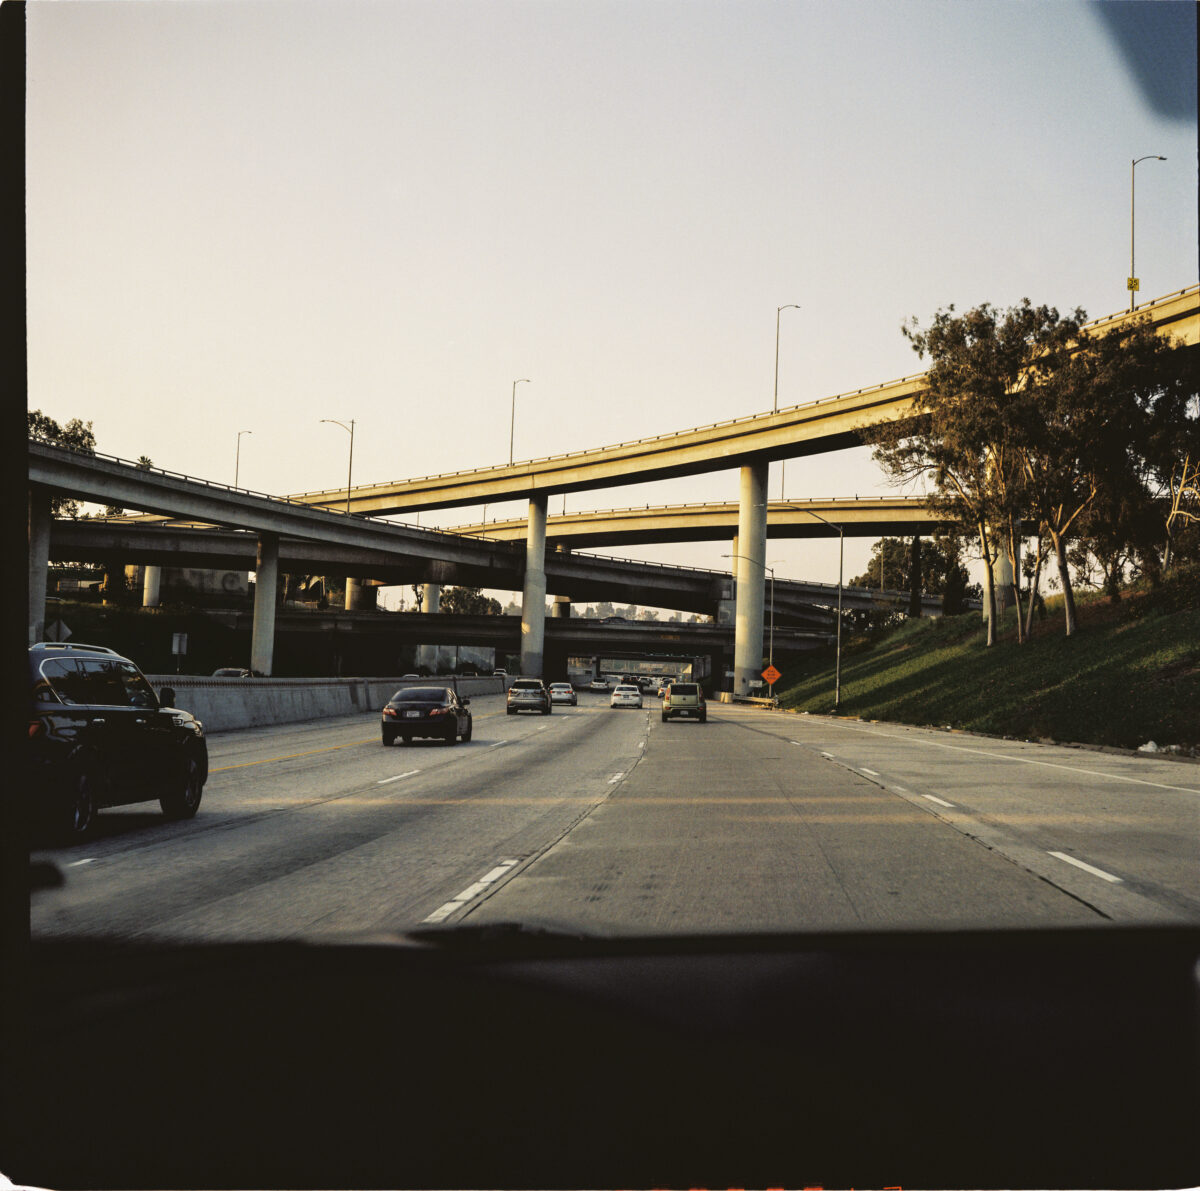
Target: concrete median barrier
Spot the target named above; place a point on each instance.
(225, 704)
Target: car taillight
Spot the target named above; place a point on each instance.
(36, 728)
(390, 712)
(439, 711)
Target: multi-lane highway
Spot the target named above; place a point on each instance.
(613, 822)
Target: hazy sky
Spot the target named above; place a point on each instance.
(252, 216)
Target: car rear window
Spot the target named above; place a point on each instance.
(683, 688)
(421, 694)
(527, 684)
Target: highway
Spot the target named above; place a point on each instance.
(613, 822)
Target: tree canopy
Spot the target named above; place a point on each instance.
(1032, 422)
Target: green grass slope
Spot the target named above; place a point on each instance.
(1130, 674)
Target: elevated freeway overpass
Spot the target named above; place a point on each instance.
(749, 444)
(861, 517)
(829, 424)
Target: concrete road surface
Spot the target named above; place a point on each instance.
(611, 821)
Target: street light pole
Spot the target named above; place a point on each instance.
(350, 470)
(837, 679)
(237, 459)
(512, 421)
(775, 402)
(1133, 281)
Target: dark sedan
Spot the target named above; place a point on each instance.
(435, 711)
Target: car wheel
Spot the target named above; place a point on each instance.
(512, 711)
(184, 802)
(452, 735)
(665, 717)
(389, 738)
(79, 814)
(704, 717)
(467, 734)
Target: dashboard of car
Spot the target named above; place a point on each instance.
(512, 1056)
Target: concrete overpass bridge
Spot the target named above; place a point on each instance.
(749, 444)
(860, 517)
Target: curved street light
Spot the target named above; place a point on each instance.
(775, 402)
(350, 470)
(1133, 281)
(512, 421)
(837, 674)
(237, 459)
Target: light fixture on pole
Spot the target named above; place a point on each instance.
(237, 459)
(512, 421)
(775, 402)
(1132, 282)
(350, 470)
(837, 679)
(771, 646)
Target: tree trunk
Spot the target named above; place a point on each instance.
(989, 586)
(914, 590)
(1033, 588)
(1014, 561)
(1064, 575)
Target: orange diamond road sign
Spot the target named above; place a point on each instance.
(771, 675)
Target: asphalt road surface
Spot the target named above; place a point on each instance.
(614, 822)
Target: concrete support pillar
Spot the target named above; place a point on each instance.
(751, 578)
(533, 595)
(431, 601)
(266, 581)
(361, 594)
(39, 561)
(151, 586)
(562, 607)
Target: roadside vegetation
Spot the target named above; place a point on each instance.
(1129, 673)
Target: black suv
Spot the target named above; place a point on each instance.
(99, 736)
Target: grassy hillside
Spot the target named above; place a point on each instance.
(1130, 674)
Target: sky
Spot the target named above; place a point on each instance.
(255, 216)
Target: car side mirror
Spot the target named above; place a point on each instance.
(465, 701)
(166, 697)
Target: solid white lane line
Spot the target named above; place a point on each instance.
(931, 797)
(958, 748)
(410, 773)
(1088, 868)
(472, 891)
(868, 772)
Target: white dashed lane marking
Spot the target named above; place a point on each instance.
(1087, 868)
(471, 892)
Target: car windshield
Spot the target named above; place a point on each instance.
(923, 550)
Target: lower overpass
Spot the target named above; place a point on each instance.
(570, 577)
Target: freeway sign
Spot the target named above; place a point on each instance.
(771, 675)
(57, 631)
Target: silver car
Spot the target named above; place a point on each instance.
(563, 692)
